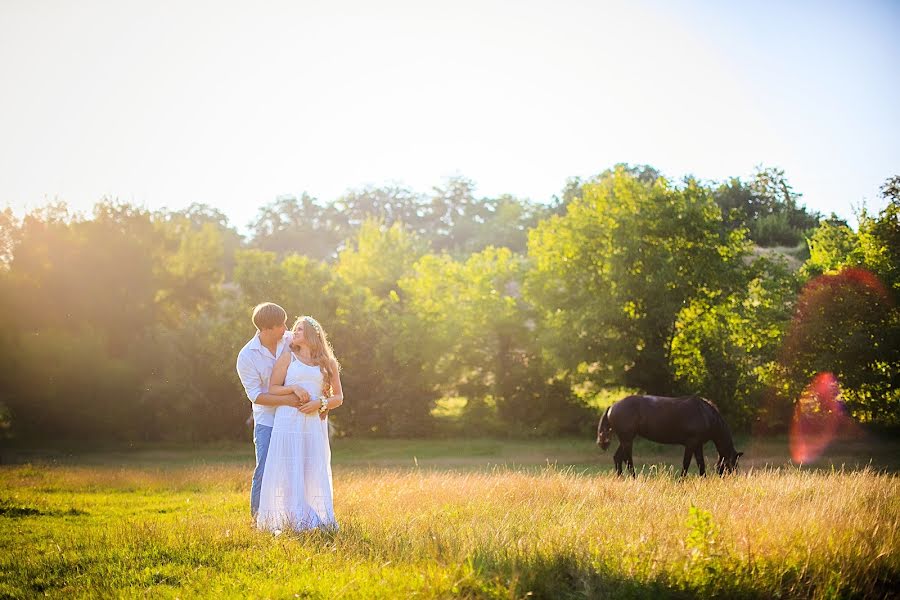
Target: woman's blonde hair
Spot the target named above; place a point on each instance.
(321, 352)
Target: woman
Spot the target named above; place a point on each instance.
(296, 490)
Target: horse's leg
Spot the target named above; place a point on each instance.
(617, 457)
(629, 459)
(686, 463)
(701, 464)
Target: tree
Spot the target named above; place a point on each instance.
(190, 271)
(611, 276)
(504, 223)
(832, 245)
(767, 206)
(9, 233)
(453, 214)
(191, 379)
(848, 319)
(890, 189)
(481, 344)
(298, 225)
(727, 348)
(300, 284)
(847, 324)
(68, 384)
(879, 244)
(388, 205)
(875, 247)
(198, 216)
(379, 256)
(377, 339)
(63, 260)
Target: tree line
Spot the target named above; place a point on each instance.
(453, 314)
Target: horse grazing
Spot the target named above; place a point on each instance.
(689, 420)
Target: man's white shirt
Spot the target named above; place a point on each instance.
(254, 367)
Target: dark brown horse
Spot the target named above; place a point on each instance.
(689, 420)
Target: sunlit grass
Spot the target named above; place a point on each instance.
(488, 533)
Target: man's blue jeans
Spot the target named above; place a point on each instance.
(261, 436)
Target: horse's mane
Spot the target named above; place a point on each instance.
(717, 416)
(710, 402)
(604, 420)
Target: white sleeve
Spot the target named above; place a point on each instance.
(249, 377)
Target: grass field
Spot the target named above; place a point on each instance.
(478, 519)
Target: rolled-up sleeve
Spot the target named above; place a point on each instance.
(249, 375)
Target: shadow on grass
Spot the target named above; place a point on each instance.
(12, 510)
(568, 577)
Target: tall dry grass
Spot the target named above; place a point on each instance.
(500, 533)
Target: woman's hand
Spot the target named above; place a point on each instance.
(302, 394)
(311, 407)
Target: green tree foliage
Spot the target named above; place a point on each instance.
(482, 346)
(875, 246)
(388, 205)
(831, 245)
(728, 348)
(612, 275)
(298, 226)
(879, 244)
(101, 285)
(9, 230)
(767, 206)
(191, 391)
(69, 384)
(190, 272)
(377, 340)
(505, 223)
(450, 219)
(71, 272)
(299, 283)
(848, 319)
(126, 324)
(472, 311)
(847, 324)
(197, 217)
(379, 257)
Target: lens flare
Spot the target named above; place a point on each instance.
(818, 417)
(824, 300)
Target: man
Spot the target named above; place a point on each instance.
(254, 366)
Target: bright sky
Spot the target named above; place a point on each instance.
(164, 103)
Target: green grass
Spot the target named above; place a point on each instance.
(478, 519)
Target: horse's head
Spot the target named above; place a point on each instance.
(604, 431)
(728, 464)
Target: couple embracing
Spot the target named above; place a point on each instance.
(293, 380)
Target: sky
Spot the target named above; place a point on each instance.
(164, 103)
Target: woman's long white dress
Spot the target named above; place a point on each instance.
(296, 490)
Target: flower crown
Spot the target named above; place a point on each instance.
(313, 323)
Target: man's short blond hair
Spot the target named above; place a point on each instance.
(268, 315)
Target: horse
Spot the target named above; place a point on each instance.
(688, 420)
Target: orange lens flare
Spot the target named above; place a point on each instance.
(818, 417)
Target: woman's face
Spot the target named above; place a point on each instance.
(299, 338)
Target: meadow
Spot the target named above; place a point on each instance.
(445, 518)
